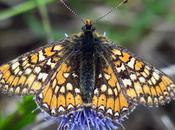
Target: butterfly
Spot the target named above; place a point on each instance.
(86, 70)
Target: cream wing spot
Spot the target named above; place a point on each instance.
(74, 75)
(53, 111)
(100, 75)
(56, 89)
(103, 88)
(107, 76)
(77, 90)
(16, 70)
(156, 76)
(110, 92)
(37, 70)
(69, 86)
(144, 74)
(116, 52)
(131, 63)
(40, 96)
(45, 105)
(62, 89)
(149, 82)
(150, 101)
(142, 79)
(133, 77)
(24, 91)
(70, 106)
(109, 111)
(61, 109)
(142, 100)
(20, 73)
(96, 91)
(42, 76)
(116, 114)
(116, 92)
(66, 75)
(15, 65)
(11, 90)
(124, 109)
(58, 48)
(156, 102)
(54, 83)
(101, 108)
(24, 58)
(127, 82)
(2, 81)
(17, 90)
(41, 56)
(153, 80)
(6, 87)
(28, 71)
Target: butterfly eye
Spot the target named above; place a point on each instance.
(88, 27)
(88, 22)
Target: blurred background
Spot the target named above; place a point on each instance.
(145, 27)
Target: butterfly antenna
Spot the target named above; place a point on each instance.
(71, 10)
(123, 2)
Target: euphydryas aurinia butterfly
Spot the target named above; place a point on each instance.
(86, 72)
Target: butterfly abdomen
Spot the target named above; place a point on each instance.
(87, 76)
(87, 66)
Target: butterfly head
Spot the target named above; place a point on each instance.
(88, 27)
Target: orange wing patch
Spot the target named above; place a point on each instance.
(49, 51)
(34, 58)
(62, 94)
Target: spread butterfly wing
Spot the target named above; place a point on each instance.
(143, 83)
(108, 97)
(62, 94)
(26, 74)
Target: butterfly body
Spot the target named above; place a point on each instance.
(88, 61)
(87, 65)
(86, 70)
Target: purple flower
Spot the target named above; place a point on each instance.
(87, 119)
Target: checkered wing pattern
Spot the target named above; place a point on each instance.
(109, 99)
(62, 94)
(141, 82)
(28, 73)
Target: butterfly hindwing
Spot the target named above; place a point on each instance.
(108, 98)
(143, 83)
(62, 94)
(26, 74)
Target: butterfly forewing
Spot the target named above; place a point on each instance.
(27, 74)
(142, 83)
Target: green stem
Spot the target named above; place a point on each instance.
(19, 9)
(45, 19)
